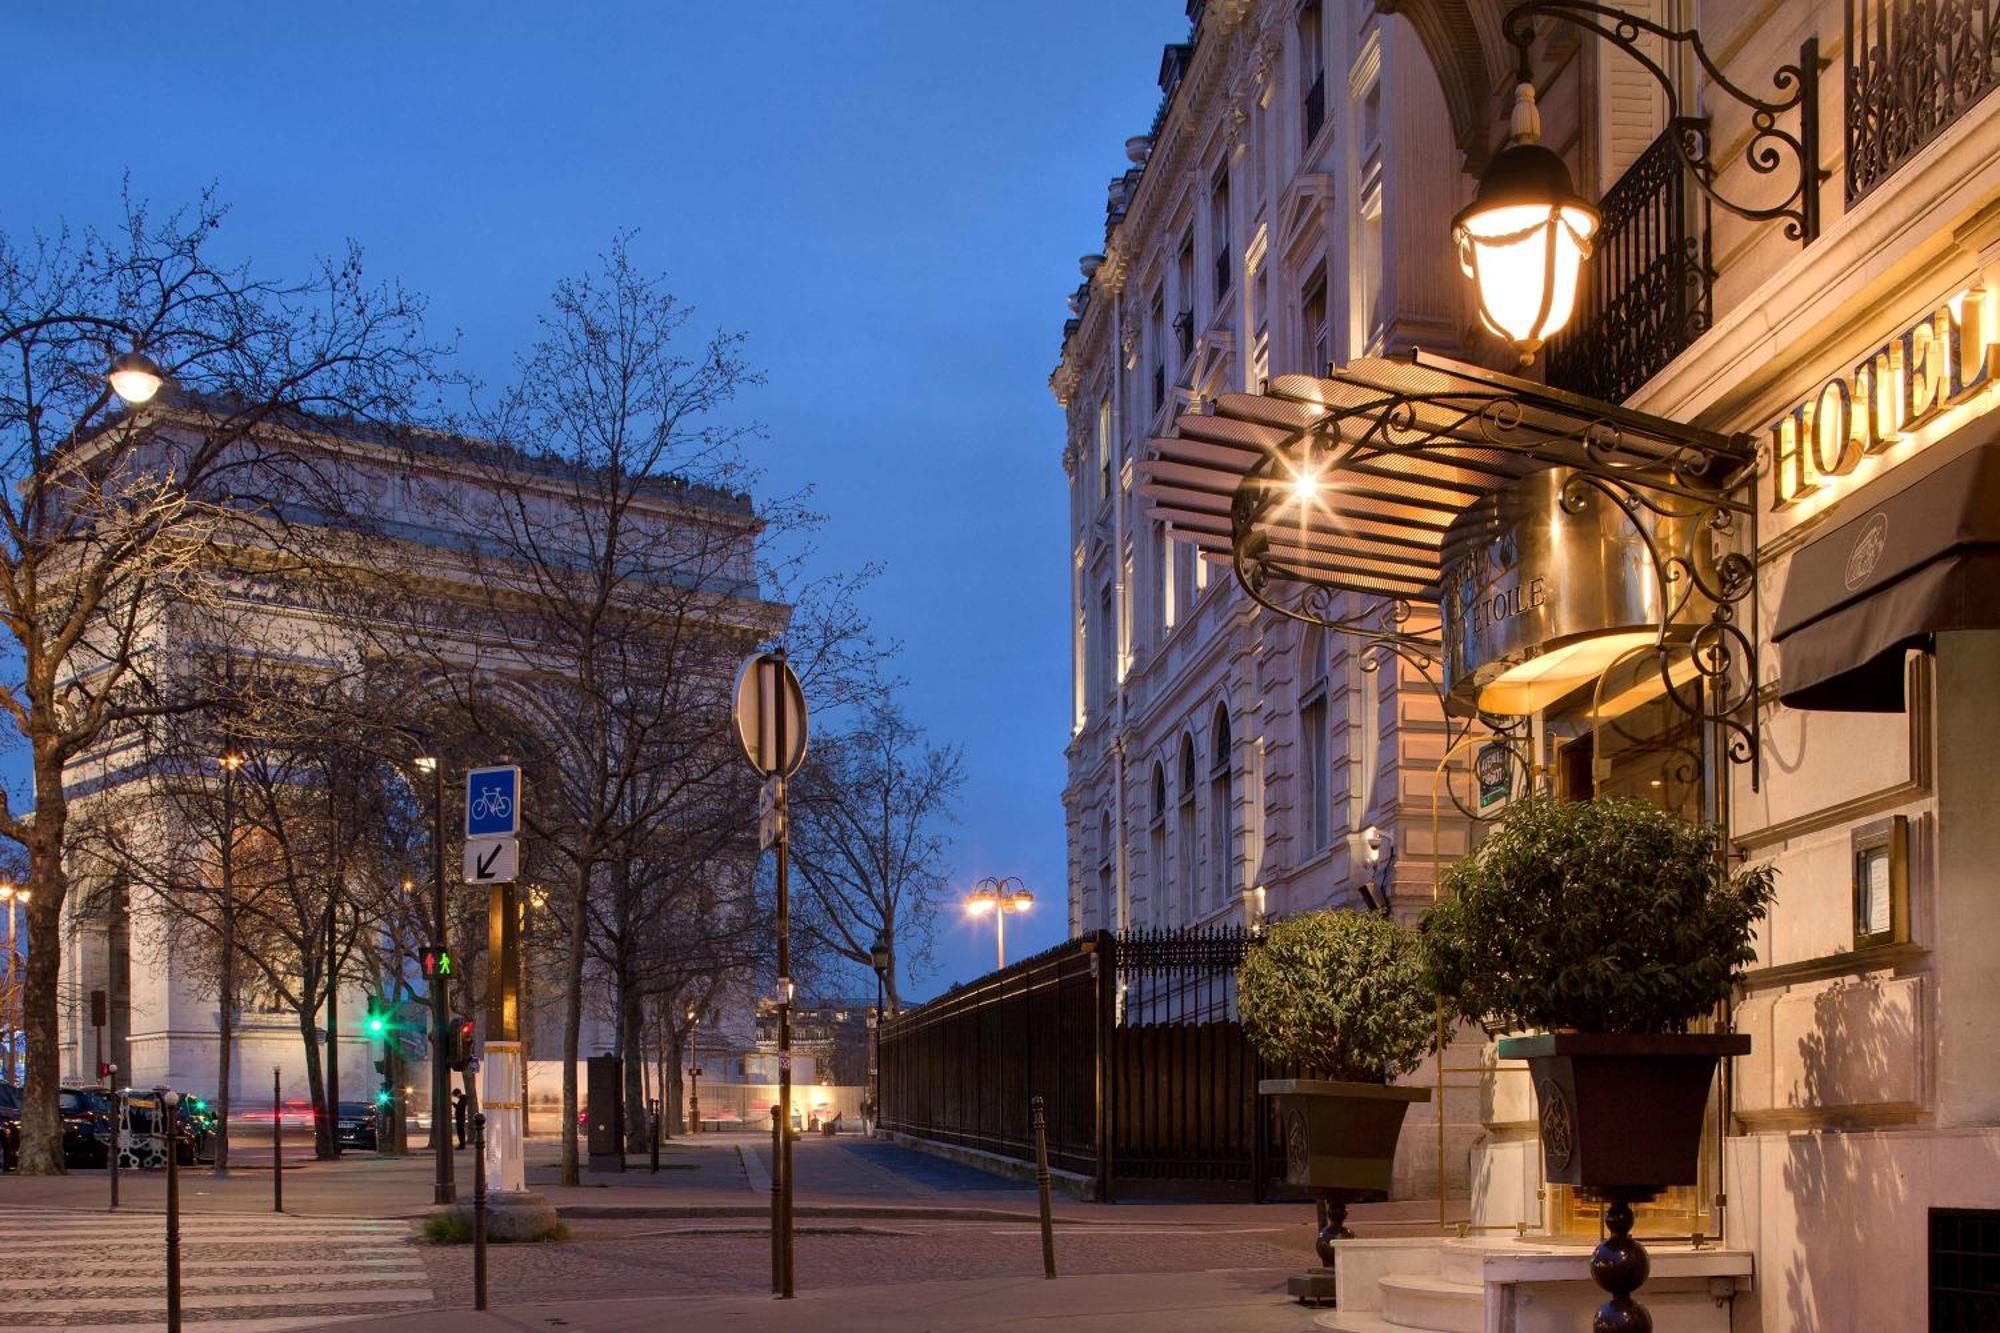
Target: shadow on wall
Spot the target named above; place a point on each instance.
(1842, 1189)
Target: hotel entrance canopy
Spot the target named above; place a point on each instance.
(1345, 501)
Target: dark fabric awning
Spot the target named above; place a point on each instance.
(1918, 560)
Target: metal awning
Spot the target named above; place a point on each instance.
(1399, 447)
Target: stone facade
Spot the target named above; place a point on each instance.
(1226, 764)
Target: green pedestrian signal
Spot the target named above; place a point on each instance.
(435, 960)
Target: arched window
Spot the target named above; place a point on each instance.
(1314, 760)
(1156, 848)
(1185, 837)
(1222, 812)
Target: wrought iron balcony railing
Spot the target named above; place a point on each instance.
(1913, 67)
(1645, 293)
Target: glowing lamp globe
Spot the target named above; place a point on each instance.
(135, 377)
(1522, 241)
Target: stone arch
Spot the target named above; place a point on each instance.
(1457, 36)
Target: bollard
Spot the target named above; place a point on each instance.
(777, 1165)
(117, 1134)
(479, 1211)
(170, 1111)
(1042, 1184)
(656, 1138)
(277, 1145)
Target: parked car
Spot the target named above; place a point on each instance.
(86, 1122)
(10, 1126)
(354, 1126)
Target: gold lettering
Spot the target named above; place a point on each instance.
(1929, 371)
(1791, 480)
(1971, 344)
(1878, 399)
(1835, 452)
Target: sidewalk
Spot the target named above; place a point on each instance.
(1239, 1300)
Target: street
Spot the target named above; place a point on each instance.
(888, 1236)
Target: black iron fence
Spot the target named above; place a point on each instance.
(1133, 1042)
(1644, 296)
(1913, 67)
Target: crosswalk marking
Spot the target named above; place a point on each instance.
(240, 1273)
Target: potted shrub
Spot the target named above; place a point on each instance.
(1605, 928)
(1340, 996)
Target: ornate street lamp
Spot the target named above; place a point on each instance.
(883, 958)
(999, 896)
(1524, 237)
(135, 377)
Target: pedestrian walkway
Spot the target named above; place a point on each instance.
(239, 1273)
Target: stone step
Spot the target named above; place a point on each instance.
(1433, 1304)
(1355, 1321)
(1464, 1263)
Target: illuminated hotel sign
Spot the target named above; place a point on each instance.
(1940, 360)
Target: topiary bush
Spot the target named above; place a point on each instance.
(1341, 994)
(1598, 916)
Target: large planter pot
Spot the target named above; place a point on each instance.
(1341, 1136)
(1621, 1114)
(1340, 1143)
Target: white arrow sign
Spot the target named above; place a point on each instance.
(492, 860)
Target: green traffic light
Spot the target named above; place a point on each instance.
(382, 1097)
(377, 1025)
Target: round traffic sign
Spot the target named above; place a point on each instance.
(771, 715)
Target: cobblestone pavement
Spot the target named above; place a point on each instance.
(240, 1274)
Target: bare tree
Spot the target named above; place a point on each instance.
(867, 843)
(106, 514)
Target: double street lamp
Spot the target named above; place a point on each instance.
(1000, 897)
(443, 1189)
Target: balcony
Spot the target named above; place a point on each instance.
(1913, 67)
(1645, 294)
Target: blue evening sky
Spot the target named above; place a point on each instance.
(888, 196)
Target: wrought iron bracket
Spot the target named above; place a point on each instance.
(1771, 147)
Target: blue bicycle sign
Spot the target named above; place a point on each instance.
(493, 802)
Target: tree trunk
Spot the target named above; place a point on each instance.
(316, 1082)
(41, 1121)
(226, 974)
(632, 1051)
(670, 1082)
(573, 1021)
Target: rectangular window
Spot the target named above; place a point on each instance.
(1218, 230)
(1163, 580)
(1104, 450)
(1107, 651)
(1156, 347)
(1368, 269)
(1184, 826)
(1184, 279)
(1312, 73)
(1314, 333)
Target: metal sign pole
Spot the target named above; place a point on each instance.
(277, 1145)
(767, 697)
(479, 1211)
(170, 1110)
(444, 1189)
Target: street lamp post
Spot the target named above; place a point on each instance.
(694, 1070)
(883, 958)
(999, 896)
(442, 1190)
(231, 761)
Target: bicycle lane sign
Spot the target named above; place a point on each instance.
(493, 802)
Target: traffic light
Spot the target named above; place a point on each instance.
(383, 1097)
(436, 962)
(459, 1054)
(376, 1024)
